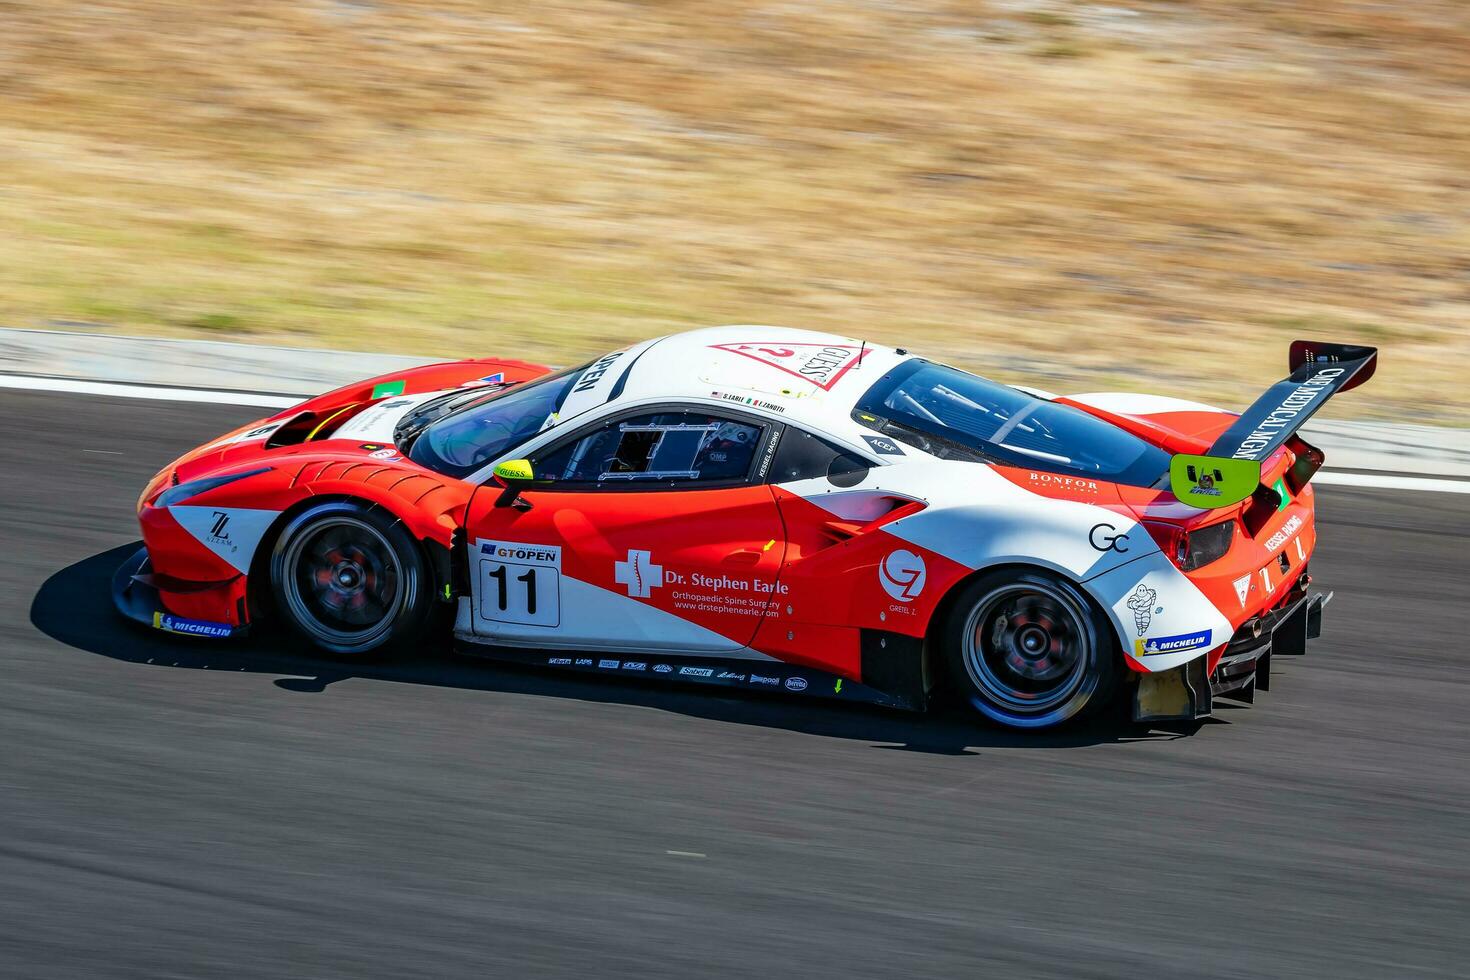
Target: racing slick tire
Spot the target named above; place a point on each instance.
(1027, 649)
(350, 580)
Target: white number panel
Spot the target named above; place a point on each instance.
(518, 583)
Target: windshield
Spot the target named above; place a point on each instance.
(491, 424)
(956, 415)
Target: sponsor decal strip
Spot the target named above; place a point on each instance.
(729, 674)
(771, 677)
(725, 672)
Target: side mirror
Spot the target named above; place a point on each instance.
(514, 475)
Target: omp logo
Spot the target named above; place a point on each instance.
(639, 574)
(902, 575)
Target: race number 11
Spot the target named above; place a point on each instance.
(520, 583)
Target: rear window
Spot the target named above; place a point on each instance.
(956, 415)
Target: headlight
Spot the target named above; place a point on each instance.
(182, 492)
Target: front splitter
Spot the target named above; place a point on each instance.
(137, 598)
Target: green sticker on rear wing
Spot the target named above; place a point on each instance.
(1213, 481)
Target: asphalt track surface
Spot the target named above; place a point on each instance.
(187, 809)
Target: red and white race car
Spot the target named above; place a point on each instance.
(771, 509)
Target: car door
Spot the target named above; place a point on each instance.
(651, 530)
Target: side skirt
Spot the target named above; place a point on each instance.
(723, 672)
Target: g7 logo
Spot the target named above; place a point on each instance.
(902, 575)
(1105, 537)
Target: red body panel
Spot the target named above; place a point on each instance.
(722, 579)
(432, 506)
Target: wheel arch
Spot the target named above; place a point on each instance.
(257, 583)
(945, 606)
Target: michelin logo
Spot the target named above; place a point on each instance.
(1173, 644)
(190, 627)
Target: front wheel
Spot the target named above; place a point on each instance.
(349, 579)
(1027, 649)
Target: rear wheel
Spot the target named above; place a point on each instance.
(1027, 649)
(350, 579)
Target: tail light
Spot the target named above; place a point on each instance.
(1192, 549)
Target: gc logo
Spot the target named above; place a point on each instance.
(1105, 537)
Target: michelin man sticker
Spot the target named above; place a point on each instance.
(1142, 604)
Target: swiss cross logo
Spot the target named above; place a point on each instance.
(638, 573)
(821, 364)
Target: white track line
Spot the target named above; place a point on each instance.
(114, 390)
(117, 390)
(1381, 481)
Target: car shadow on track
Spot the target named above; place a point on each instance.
(74, 607)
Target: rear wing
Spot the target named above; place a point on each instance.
(1231, 470)
(1318, 371)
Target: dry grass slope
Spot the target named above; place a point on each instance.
(1141, 194)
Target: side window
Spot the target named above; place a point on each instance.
(803, 456)
(664, 448)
